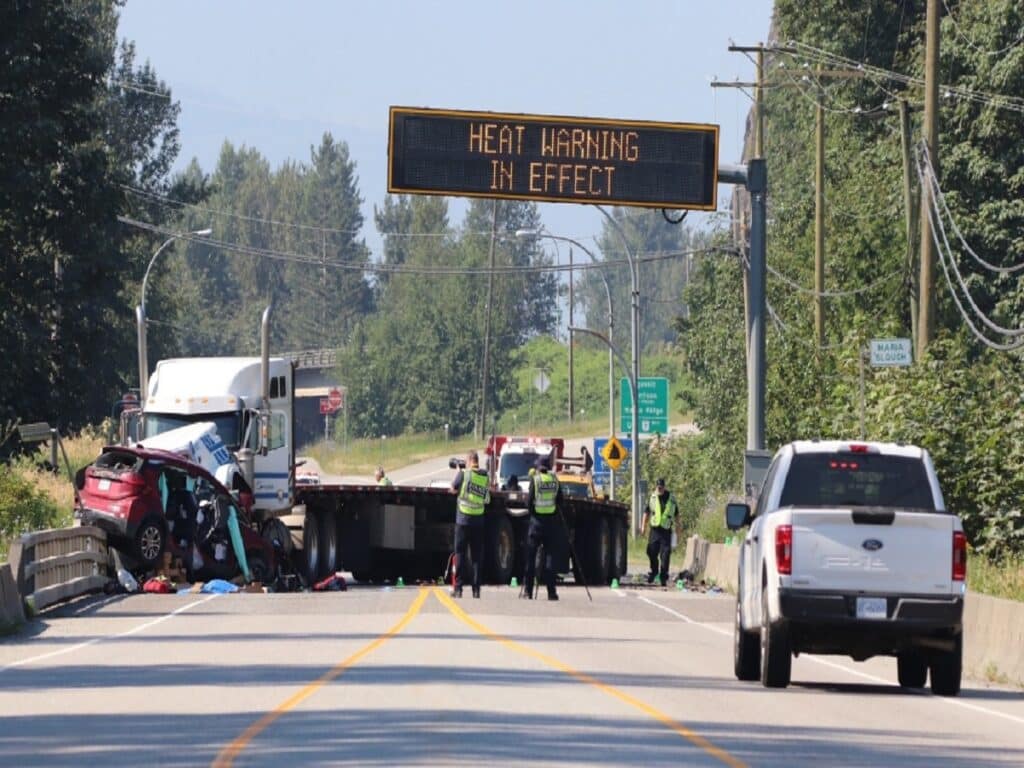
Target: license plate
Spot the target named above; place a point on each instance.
(871, 608)
(103, 485)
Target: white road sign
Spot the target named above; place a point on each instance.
(885, 352)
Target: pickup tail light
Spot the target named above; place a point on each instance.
(784, 549)
(959, 556)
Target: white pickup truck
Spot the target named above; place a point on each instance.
(851, 551)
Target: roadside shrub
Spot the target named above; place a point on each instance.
(22, 507)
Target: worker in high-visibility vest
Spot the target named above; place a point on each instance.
(545, 496)
(661, 514)
(474, 492)
(381, 478)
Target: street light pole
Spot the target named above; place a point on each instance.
(635, 334)
(140, 311)
(611, 325)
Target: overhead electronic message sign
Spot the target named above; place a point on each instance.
(553, 159)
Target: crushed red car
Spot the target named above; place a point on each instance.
(151, 501)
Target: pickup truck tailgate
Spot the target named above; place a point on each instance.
(873, 551)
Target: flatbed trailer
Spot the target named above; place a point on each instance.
(381, 533)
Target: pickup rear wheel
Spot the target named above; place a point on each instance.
(776, 650)
(911, 669)
(947, 668)
(746, 650)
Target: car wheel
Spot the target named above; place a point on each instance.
(746, 650)
(150, 540)
(500, 551)
(258, 570)
(776, 651)
(911, 669)
(947, 668)
(311, 548)
(329, 561)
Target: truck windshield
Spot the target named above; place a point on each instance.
(857, 480)
(229, 425)
(518, 464)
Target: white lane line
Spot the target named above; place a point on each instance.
(856, 673)
(126, 633)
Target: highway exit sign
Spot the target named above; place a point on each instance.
(652, 392)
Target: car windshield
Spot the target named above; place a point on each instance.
(229, 425)
(857, 480)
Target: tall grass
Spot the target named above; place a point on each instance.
(361, 456)
(1004, 579)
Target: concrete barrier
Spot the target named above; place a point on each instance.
(994, 638)
(993, 627)
(12, 613)
(56, 565)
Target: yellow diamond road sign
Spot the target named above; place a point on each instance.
(614, 452)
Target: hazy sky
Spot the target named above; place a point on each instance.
(275, 75)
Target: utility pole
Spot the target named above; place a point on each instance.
(926, 320)
(482, 428)
(909, 212)
(571, 324)
(819, 221)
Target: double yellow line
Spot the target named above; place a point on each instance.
(227, 756)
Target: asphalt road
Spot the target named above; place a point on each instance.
(404, 676)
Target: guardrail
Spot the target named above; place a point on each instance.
(993, 627)
(59, 564)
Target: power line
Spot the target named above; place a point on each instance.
(921, 173)
(378, 268)
(975, 46)
(832, 294)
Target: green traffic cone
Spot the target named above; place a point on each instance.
(680, 584)
(514, 582)
(615, 583)
(400, 582)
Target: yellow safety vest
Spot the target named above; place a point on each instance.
(662, 518)
(545, 491)
(474, 494)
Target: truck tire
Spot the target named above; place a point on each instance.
(328, 544)
(150, 541)
(746, 650)
(947, 668)
(599, 552)
(911, 669)
(776, 650)
(500, 551)
(310, 548)
(620, 547)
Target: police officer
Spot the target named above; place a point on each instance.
(661, 513)
(474, 495)
(545, 496)
(380, 477)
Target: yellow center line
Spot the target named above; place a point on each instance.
(227, 756)
(694, 738)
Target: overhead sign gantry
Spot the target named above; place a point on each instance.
(553, 159)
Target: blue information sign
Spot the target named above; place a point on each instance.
(602, 472)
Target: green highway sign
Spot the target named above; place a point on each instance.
(652, 392)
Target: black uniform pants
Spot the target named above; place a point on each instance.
(660, 544)
(471, 538)
(542, 530)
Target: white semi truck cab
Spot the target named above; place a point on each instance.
(249, 399)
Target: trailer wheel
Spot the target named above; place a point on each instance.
(620, 546)
(500, 551)
(599, 552)
(310, 548)
(328, 544)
